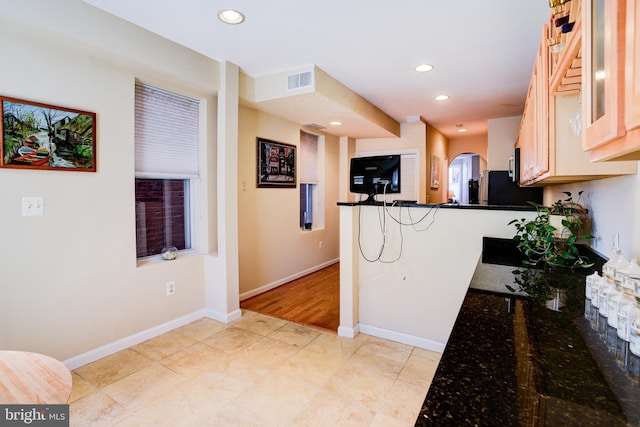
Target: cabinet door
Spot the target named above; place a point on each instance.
(632, 67)
(603, 96)
(534, 134)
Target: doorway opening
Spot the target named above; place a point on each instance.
(464, 179)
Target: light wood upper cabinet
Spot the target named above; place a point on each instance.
(622, 142)
(551, 146)
(533, 135)
(603, 71)
(632, 66)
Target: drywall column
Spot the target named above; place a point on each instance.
(347, 151)
(349, 272)
(221, 269)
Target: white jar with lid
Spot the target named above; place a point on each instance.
(589, 283)
(616, 261)
(613, 302)
(595, 288)
(634, 335)
(627, 310)
(623, 271)
(604, 290)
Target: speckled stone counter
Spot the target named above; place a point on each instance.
(510, 363)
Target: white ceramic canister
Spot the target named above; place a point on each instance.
(589, 283)
(613, 302)
(622, 270)
(603, 297)
(626, 310)
(634, 335)
(609, 267)
(625, 270)
(595, 289)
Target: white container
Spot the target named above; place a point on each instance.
(603, 297)
(613, 302)
(626, 311)
(622, 271)
(634, 336)
(616, 261)
(595, 289)
(589, 283)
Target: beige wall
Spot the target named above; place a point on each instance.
(273, 249)
(438, 145)
(469, 145)
(70, 281)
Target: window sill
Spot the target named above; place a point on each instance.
(157, 259)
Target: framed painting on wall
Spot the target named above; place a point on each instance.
(42, 136)
(276, 164)
(435, 171)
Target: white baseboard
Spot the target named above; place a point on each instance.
(223, 317)
(348, 332)
(273, 285)
(137, 338)
(402, 338)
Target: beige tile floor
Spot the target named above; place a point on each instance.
(256, 371)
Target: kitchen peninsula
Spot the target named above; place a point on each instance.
(504, 362)
(407, 282)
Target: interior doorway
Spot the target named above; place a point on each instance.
(464, 179)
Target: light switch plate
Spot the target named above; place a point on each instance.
(32, 206)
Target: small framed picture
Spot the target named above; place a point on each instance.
(42, 136)
(276, 164)
(435, 171)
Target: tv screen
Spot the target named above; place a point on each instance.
(375, 175)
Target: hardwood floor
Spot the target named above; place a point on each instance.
(312, 300)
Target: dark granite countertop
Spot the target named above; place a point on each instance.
(509, 362)
(410, 204)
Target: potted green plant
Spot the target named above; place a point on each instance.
(550, 249)
(569, 218)
(542, 241)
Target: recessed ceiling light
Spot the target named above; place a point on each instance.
(461, 130)
(335, 123)
(230, 16)
(423, 68)
(441, 97)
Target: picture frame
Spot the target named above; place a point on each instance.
(435, 171)
(46, 137)
(276, 164)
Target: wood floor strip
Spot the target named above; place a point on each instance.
(312, 300)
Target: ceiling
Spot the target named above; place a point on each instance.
(482, 51)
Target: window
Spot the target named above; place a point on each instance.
(311, 201)
(166, 150)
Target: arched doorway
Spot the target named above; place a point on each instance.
(464, 178)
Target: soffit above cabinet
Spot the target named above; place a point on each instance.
(317, 103)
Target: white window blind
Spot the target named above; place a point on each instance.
(166, 132)
(308, 169)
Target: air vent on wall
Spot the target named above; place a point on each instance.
(300, 80)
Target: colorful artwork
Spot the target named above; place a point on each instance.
(40, 136)
(276, 164)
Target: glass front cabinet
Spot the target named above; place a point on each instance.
(611, 79)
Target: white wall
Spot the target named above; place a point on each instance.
(614, 206)
(414, 292)
(70, 281)
(502, 136)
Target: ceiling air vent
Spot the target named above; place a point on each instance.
(313, 126)
(300, 80)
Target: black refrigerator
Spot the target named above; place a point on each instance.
(498, 188)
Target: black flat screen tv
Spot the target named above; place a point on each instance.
(375, 175)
